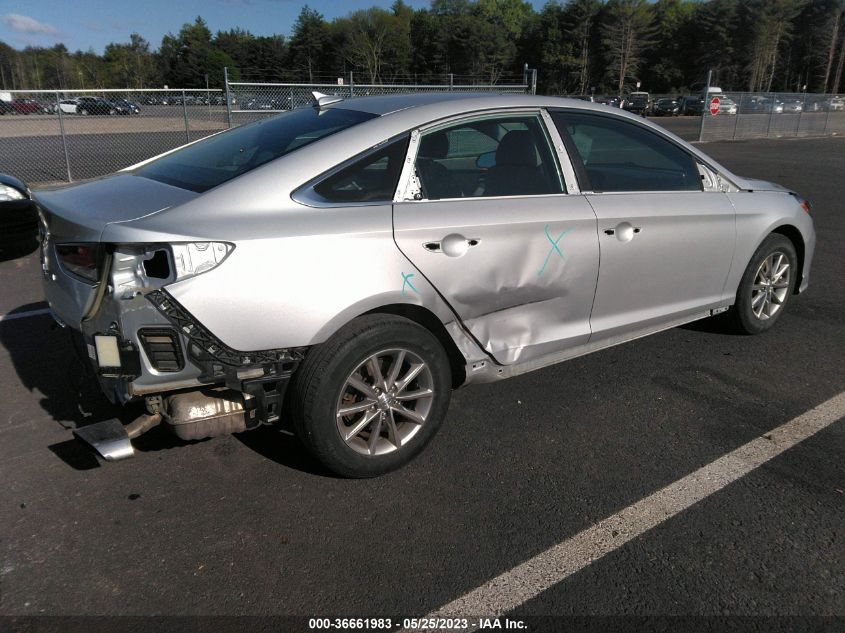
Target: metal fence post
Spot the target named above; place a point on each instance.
(533, 81)
(64, 137)
(704, 104)
(451, 82)
(801, 114)
(185, 114)
(827, 118)
(229, 96)
(771, 99)
(738, 112)
(351, 85)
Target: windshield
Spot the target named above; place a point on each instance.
(215, 160)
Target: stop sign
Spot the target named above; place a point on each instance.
(714, 106)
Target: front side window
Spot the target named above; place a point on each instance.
(219, 158)
(616, 155)
(371, 178)
(507, 155)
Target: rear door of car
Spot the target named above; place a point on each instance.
(485, 214)
(666, 244)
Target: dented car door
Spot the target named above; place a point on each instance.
(487, 220)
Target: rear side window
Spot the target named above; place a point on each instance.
(372, 178)
(619, 156)
(217, 159)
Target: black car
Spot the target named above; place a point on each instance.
(94, 105)
(18, 216)
(638, 103)
(666, 107)
(690, 105)
(125, 107)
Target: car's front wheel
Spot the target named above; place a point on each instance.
(766, 286)
(369, 400)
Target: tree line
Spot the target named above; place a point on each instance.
(577, 46)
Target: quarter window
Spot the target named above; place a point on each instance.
(617, 155)
(369, 179)
(492, 156)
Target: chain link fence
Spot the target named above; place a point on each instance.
(744, 115)
(66, 135)
(61, 136)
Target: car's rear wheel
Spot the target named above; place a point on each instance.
(369, 400)
(766, 286)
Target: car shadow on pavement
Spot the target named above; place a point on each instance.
(49, 360)
(284, 449)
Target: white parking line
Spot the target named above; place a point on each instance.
(527, 580)
(23, 315)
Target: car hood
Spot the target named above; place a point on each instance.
(753, 184)
(82, 212)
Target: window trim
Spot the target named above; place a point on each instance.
(578, 164)
(306, 194)
(405, 185)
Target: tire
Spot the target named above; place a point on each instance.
(83, 112)
(321, 387)
(759, 301)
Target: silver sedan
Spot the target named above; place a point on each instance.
(341, 268)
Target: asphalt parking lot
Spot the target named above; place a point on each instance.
(249, 525)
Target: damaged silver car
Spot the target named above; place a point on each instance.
(342, 268)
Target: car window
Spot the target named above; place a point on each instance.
(490, 156)
(621, 156)
(219, 158)
(371, 178)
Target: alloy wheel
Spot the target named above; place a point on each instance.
(385, 402)
(771, 286)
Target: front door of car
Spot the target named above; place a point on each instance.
(488, 223)
(666, 245)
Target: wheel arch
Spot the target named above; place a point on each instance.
(792, 233)
(427, 319)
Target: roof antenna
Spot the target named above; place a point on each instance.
(321, 100)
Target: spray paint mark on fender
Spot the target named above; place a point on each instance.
(406, 283)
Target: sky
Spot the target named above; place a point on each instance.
(91, 24)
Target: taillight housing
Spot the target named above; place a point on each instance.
(80, 260)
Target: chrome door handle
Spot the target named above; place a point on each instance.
(453, 245)
(623, 231)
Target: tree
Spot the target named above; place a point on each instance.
(627, 31)
(309, 43)
(772, 22)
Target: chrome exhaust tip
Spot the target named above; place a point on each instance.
(113, 441)
(109, 439)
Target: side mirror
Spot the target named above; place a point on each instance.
(486, 160)
(18, 215)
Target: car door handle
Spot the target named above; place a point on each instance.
(453, 245)
(623, 231)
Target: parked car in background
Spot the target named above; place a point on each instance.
(125, 107)
(791, 106)
(18, 216)
(666, 107)
(488, 239)
(726, 105)
(756, 104)
(263, 103)
(836, 104)
(27, 106)
(614, 102)
(94, 105)
(6, 107)
(638, 103)
(690, 105)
